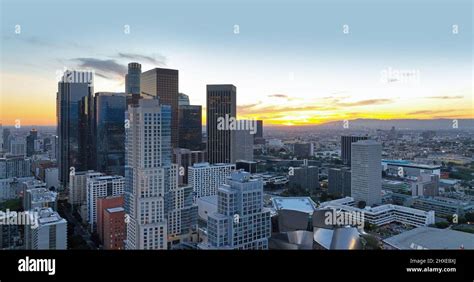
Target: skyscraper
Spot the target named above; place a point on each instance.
(190, 127)
(366, 172)
(163, 83)
(241, 222)
(30, 142)
(6, 135)
(132, 83)
(71, 89)
(346, 142)
(244, 140)
(147, 172)
(221, 103)
(183, 100)
(110, 132)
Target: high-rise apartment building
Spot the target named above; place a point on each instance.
(147, 172)
(49, 234)
(99, 187)
(241, 222)
(244, 144)
(206, 178)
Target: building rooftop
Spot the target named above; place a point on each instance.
(116, 209)
(303, 204)
(432, 238)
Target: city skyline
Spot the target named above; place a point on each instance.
(314, 73)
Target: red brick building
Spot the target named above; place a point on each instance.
(111, 222)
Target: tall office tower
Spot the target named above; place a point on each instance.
(163, 83)
(1, 140)
(185, 158)
(244, 149)
(71, 89)
(18, 146)
(87, 137)
(305, 177)
(15, 166)
(190, 127)
(183, 100)
(99, 187)
(132, 83)
(206, 178)
(240, 222)
(221, 106)
(78, 186)
(111, 222)
(346, 142)
(366, 172)
(258, 136)
(339, 182)
(6, 134)
(30, 142)
(147, 172)
(50, 234)
(110, 132)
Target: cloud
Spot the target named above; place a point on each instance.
(104, 68)
(31, 40)
(364, 102)
(158, 60)
(445, 97)
(278, 95)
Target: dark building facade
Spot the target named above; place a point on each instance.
(221, 103)
(110, 132)
(190, 127)
(30, 142)
(305, 177)
(72, 88)
(346, 142)
(339, 182)
(163, 83)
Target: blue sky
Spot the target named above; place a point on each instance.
(295, 49)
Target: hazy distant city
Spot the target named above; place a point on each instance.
(135, 150)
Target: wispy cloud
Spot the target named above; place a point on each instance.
(445, 97)
(364, 102)
(158, 60)
(278, 96)
(109, 69)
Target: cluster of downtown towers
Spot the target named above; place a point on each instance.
(133, 134)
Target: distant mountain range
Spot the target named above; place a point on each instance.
(414, 124)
